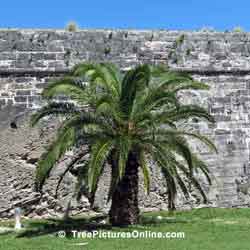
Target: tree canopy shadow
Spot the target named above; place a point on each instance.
(53, 226)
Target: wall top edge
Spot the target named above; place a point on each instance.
(61, 30)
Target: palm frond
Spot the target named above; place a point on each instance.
(64, 141)
(55, 109)
(145, 171)
(68, 86)
(102, 74)
(170, 180)
(99, 153)
(82, 187)
(76, 159)
(193, 181)
(158, 70)
(109, 108)
(176, 144)
(201, 165)
(175, 81)
(124, 146)
(134, 80)
(184, 112)
(171, 134)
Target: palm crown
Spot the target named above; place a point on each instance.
(114, 114)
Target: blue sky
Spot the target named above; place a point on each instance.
(139, 14)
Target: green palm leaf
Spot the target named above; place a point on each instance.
(99, 153)
(145, 171)
(55, 109)
(65, 141)
(67, 86)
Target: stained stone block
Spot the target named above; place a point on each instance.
(20, 98)
(2, 102)
(23, 92)
(49, 56)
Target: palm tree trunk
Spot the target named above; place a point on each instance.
(124, 209)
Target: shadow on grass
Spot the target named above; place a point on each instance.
(53, 226)
(6, 233)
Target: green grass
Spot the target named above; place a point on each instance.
(215, 229)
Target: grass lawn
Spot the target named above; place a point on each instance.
(215, 229)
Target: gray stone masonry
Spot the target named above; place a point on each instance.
(30, 58)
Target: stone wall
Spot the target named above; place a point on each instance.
(30, 58)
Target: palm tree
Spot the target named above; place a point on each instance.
(124, 120)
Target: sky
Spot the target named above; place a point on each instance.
(133, 14)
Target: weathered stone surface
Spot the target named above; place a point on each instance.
(30, 58)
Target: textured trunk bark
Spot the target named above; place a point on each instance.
(124, 209)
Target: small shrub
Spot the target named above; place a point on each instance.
(72, 27)
(107, 50)
(110, 35)
(238, 29)
(180, 39)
